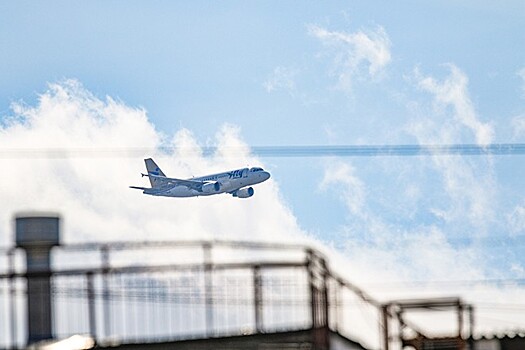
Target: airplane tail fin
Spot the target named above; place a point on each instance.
(153, 169)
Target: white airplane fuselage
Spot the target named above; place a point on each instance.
(228, 182)
(235, 182)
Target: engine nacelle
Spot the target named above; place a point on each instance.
(226, 185)
(244, 192)
(211, 187)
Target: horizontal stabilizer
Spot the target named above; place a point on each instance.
(139, 188)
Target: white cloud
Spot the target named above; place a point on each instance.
(385, 246)
(453, 92)
(518, 124)
(516, 220)
(455, 198)
(350, 188)
(282, 78)
(92, 193)
(379, 254)
(355, 52)
(470, 185)
(521, 74)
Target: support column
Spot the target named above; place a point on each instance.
(384, 323)
(37, 234)
(318, 275)
(208, 288)
(461, 339)
(258, 300)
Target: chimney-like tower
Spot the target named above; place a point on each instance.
(37, 234)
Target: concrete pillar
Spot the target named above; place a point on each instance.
(37, 234)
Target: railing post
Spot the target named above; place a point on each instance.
(309, 263)
(386, 335)
(461, 340)
(104, 251)
(12, 295)
(91, 305)
(471, 326)
(324, 289)
(208, 287)
(257, 297)
(317, 274)
(337, 305)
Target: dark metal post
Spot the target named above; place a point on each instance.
(37, 234)
(91, 305)
(461, 340)
(12, 295)
(257, 297)
(325, 326)
(313, 290)
(208, 287)
(386, 335)
(104, 251)
(471, 326)
(318, 275)
(337, 302)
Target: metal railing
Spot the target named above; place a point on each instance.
(144, 292)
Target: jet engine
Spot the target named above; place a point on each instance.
(244, 192)
(226, 185)
(211, 187)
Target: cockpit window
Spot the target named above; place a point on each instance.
(255, 169)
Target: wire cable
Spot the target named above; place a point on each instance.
(495, 149)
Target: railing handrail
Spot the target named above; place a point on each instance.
(158, 268)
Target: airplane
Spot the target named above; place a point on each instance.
(236, 182)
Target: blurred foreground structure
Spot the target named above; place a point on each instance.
(200, 295)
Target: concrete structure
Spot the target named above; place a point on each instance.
(37, 234)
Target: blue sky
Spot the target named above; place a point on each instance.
(315, 73)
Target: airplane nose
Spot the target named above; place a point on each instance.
(265, 175)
